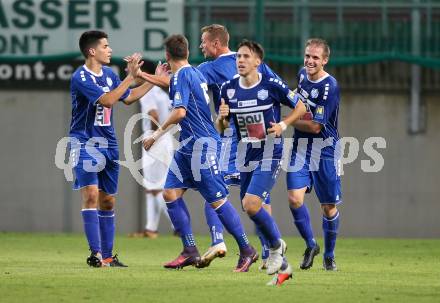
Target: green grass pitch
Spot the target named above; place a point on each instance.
(51, 268)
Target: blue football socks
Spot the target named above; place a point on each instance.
(266, 224)
(330, 227)
(230, 219)
(214, 224)
(181, 220)
(264, 244)
(107, 231)
(302, 222)
(91, 229)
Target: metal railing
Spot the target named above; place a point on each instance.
(358, 31)
(376, 45)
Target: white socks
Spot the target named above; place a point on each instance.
(155, 205)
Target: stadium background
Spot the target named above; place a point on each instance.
(385, 55)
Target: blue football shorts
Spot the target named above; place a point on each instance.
(260, 181)
(323, 175)
(207, 179)
(97, 167)
(227, 157)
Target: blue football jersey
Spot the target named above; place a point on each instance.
(322, 98)
(188, 89)
(217, 72)
(90, 119)
(224, 68)
(254, 108)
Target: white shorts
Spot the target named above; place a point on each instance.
(156, 161)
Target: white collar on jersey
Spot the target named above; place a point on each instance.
(96, 75)
(320, 79)
(249, 87)
(227, 54)
(186, 65)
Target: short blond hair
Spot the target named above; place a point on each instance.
(321, 43)
(217, 31)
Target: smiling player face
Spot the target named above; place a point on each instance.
(314, 61)
(102, 52)
(247, 61)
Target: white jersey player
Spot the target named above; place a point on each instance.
(156, 105)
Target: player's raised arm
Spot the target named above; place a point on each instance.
(133, 68)
(278, 128)
(299, 110)
(179, 95)
(180, 103)
(161, 81)
(308, 126)
(222, 121)
(313, 123)
(139, 91)
(160, 78)
(176, 115)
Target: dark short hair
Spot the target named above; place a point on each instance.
(217, 31)
(321, 43)
(90, 39)
(255, 47)
(177, 47)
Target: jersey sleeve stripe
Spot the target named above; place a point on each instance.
(250, 109)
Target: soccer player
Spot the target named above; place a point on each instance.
(156, 104)
(253, 100)
(320, 170)
(188, 92)
(215, 45)
(95, 88)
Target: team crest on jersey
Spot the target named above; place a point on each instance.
(263, 94)
(301, 78)
(314, 93)
(230, 93)
(109, 81)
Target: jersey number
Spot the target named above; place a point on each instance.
(204, 87)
